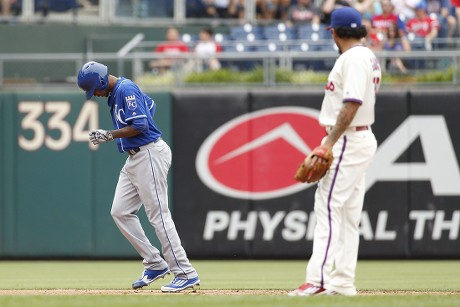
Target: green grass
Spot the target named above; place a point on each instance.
(439, 277)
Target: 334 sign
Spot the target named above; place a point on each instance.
(47, 124)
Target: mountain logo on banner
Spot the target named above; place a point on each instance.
(255, 155)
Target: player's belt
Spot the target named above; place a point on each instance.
(355, 128)
(135, 150)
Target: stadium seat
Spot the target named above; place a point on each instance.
(55, 5)
(248, 37)
(244, 30)
(302, 47)
(327, 46)
(189, 38)
(236, 47)
(304, 31)
(305, 64)
(416, 43)
(271, 47)
(222, 38)
(279, 32)
(311, 31)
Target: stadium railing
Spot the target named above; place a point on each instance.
(39, 70)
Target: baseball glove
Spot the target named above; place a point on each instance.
(315, 165)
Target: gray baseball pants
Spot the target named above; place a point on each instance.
(143, 180)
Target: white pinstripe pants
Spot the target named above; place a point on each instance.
(338, 205)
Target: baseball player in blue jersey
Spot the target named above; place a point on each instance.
(143, 178)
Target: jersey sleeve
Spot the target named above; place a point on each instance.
(354, 80)
(152, 107)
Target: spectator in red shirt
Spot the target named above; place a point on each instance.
(172, 46)
(385, 20)
(374, 39)
(388, 17)
(423, 26)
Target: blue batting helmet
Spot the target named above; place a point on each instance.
(93, 76)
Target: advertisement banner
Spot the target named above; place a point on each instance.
(234, 190)
(435, 175)
(197, 115)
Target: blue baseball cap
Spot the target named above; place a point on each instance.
(345, 17)
(421, 6)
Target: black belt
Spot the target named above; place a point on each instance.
(135, 150)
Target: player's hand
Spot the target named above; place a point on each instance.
(100, 136)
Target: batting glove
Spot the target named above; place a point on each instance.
(100, 136)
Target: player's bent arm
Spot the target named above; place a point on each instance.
(346, 115)
(102, 136)
(125, 132)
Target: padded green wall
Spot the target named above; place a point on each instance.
(56, 192)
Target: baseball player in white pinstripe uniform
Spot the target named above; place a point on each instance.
(347, 113)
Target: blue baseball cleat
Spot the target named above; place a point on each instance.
(149, 276)
(179, 284)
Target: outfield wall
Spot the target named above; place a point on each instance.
(56, 189)
(232, 192)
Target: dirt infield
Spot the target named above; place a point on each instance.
(205, 292)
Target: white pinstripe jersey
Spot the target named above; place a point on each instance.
(355, 77)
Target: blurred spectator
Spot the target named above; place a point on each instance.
(6, 7)
(304, 12)
(193, 8)
(206, 50)
(405, 8)
(172, 46)
(374, 39)
(365, 7)
(393, 43)
(423, 26)
(143, 8)
(140, 8)
(368, 8)
(239, 9)
(388, 17)
(328, 6)
(272, 9)
(10, 8)
(442, 10)
(456, 8)
(46, 6)
(224, 8)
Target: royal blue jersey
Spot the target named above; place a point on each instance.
(129, 106)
